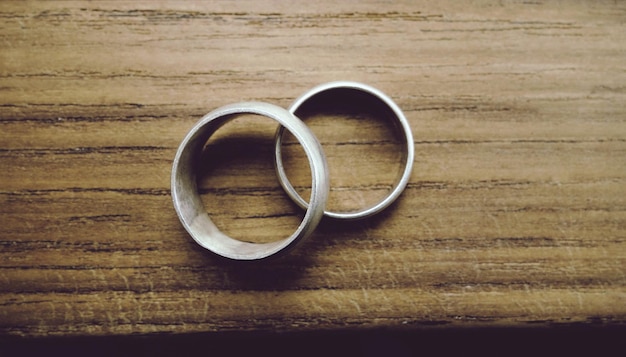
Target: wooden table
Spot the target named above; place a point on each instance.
(514, 215)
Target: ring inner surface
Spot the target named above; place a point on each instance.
(238, 186)
(363, 143)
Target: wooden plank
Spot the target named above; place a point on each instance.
(515, 213)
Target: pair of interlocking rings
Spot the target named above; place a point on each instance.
(191, 210)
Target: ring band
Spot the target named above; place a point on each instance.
(191, 210)
(402, 180)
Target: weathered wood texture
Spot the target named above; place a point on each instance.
(514, 215)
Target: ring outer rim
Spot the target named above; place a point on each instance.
(319, 173)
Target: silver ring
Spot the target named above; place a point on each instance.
(191, 210)
(402, 180)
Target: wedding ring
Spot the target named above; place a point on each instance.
(399, 117)
(191, 210)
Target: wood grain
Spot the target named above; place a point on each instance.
(515, 214)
